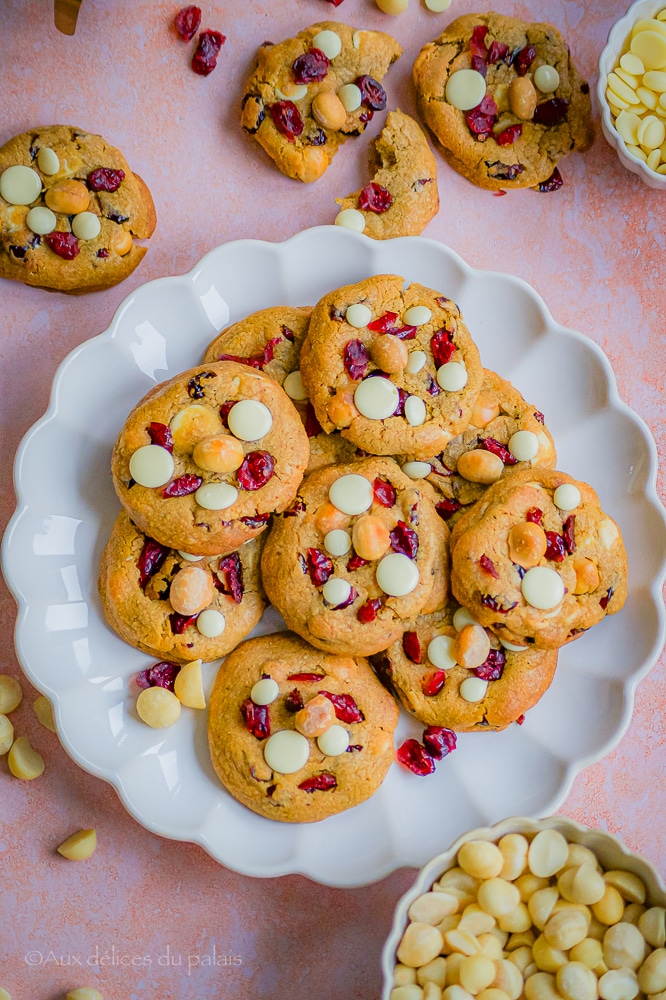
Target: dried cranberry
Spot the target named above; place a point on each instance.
(105, 179)
(195, 390)
(317, 137)
(534, 515)
(384, 323)
(520, 719)
(373, 95)
(477, 44)
(497, 52)
(504, 171)
(384, 671)
(269, 349)
(523, 59)
(538, 415)
(405, 333)
(287, 119)
(159, 675)
(336, 3)
(383, 493)
(415, 757)
(555, 549)
(320, 567)
(603, 603)
(346, 709)
(65, 245)
(490, 444)
(432, 386)
(493, 666)
(311, 66)
(414, 513)
(508, 136)
(103, 252)
(293, 701)
(411, 645)
(375, 198)
(442, 347)
(368, 611)
(402, 399)
(482, 118)
(296, 508)
(551, 112)
(231, 583)
(150, 561)
(499, 194)
(306, 678)
(255, 522)
(182, 486)
(353, 594)
(257, 469)
(224, 411)
(208, 48)
(404, 540)
(493, 605)
(447, 508)
(312, 425)
(323, 782)
(179, 623)
(568, 534)
(552, 183)
(160, 434)
(187, 21)
(287, 333)
(353, 748)
(355, 359)
(480, 65)
(250, 362)
(438, 741)
(257, 719)
(270, 791)
(488, 566)
(355, 562)
(433, 683)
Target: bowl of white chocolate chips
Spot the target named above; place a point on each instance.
(632, 91)
(541, 909)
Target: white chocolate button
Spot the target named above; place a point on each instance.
(250, 420)
(415, 362)
(415, 411)
(542, 587)
(211, 623)
(351, 218)
(655, 80)
(417, 470)
(336, 591)
(627, 125)
(328, 42)
(265, 691)
(417, 316)
(151, 466)
(337, 542)
(511, 646)
(452, 376)
(650, 47)
(631, 81)
(397, 575)
(621, 89)
(523, 445)
(41, 220)
(632, 64)
(286, 751)
(20, 185)
(461, 618)
(334, 741)
(293, 386)
(292, 92)
(473, 689)
(465, 89)
(216, 496)
(86, 226)
(546, 78)
(358, 315)
(440, 652)
(47, 161)
(437, 6)
(351, 97)
(189, 557)
(376, 398)
(651, 132)
(352, 494)
(566, 496)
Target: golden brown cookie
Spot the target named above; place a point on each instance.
(402, 196)
(70, 210)
(504, 99)
(336, 718)
(396, 371)
(174, 605)
(309, 94)
(358, 554)
(537, 560)
(206, 457)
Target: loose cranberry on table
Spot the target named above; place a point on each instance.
(187, 21)
(208, 48)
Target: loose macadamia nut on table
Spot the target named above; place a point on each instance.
(79, 846)
(11, 694)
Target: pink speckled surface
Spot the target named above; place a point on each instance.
(154, 918)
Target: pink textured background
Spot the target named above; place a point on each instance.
(594, 251)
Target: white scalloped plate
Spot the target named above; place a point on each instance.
(66, 507)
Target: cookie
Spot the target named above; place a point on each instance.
(396, 371)
(537, 560)
(309, 94)
(271, 340)
(70, 210)
(173, 605)
(505, 435)
(359, 553)
(447, 670)
(206, 457)
(402, 196)
(504, 99)
(297, 735)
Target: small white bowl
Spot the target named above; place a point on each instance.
(608, 60)
(611, 853)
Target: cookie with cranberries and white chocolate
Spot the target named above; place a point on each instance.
(393, 368)
(298, 735)
(358, 554)
(309, 94)
(506, 434)
(447, 670)
(271, 341)
(402, 196)
(206, 457)
(70, 211)
(504, 99)
(537, 560)
(173, 604)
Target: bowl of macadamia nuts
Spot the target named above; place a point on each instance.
(541, 909)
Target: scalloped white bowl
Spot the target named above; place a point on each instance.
(67, 506)
(607, 62)
(610, 851)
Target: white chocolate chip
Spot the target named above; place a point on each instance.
(351, 218)
(417, 470)
(20, 185)
(351, 97)
(437, 6)
(286, 751)
(511, 646)
(293, 386)
(41, 220)
(608, 534)
(292, 92)
(151, 466)
(216, 496)
(334, 741)
(546, 78)
(328, 42)
(440, 652)
(452, 376)
(524, 445)
(417, 316)
(462, 617)
(337, 542)
(158, 707)
(358, 315)
(415, 411)
(336, 591)
(188, 557)
(566, 496)
(47, 161)
(211, 623)
(416, 361)
(542, 587)
(352, 494)
(265, 691)
(250, 420)
(632, 64)
(473, 689)
(86, 226)
(650, 47)
(376, 398)
(397, 575)
(465, 89)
